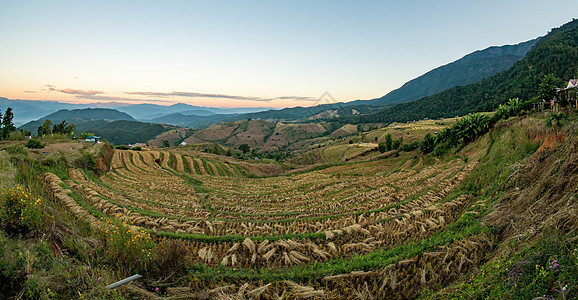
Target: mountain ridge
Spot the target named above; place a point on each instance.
(471, 68)
(556, 54)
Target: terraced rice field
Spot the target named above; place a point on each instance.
(335, 233)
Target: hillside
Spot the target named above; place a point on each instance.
(556, 53)
(124, 132)
(469, 69)
(29, 110)
(195, 121)
(78, 116)
(411, 225)
(259, 134)
(146, 112)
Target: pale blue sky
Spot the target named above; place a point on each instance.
(247, 53)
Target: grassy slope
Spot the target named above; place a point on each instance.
(527, 197)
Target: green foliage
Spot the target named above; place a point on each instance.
(63, 128)
(16, 149)
(428, 144)
(19, 135)
(245, 148)
(388, 142)
(382, 147)
(32, 289)
(441, 149)
(466, 129)
(84, 135)
(133, 249)
(556, 118)
(545, 270)
(45, 128)
(86, 161)
(19, 209)
(7, 124)
(165, 144)
(409, 147)
(122, 147)
(137, 148)
(34, 143)
(547, 88)
(396, 144)
(515, 105)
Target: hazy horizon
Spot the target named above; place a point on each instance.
(255, 54)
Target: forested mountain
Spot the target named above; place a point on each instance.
(297, 113)
(29, 110)
(194, 121)
(123, 132)
(79, 116)
(469, 69)
(556, 53)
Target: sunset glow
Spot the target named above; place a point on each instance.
(245, 54)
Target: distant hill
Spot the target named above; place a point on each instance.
(124, 132)
(194, 121)
(154, 111)
(556, 53)
(29, 110)
(79, 116)
(471, 68)
(260, 134)
(311, 113)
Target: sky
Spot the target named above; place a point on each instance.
(247, 53)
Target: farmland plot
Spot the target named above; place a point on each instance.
(347, 213)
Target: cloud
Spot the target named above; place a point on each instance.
(196, 95)
(110, 98)
(52, 88)
(221, 96)
(296, 98)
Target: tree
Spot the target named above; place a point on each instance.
(165, 144)
(34, 144)
(59, 128)
(547, 88)
(7, 125)
(428, 144)
(69, 129)
(245, 148)
(388, 142)
(45, 129)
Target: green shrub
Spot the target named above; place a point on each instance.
(441, 149)
(19, 209)
(133, 249)
(16, 150)
(428, 144)
(137, 148)
(557, 118)
(396, 144)
(86, 161)
(409, 147)
(122, 147)
(17, 136)
(35, 144)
